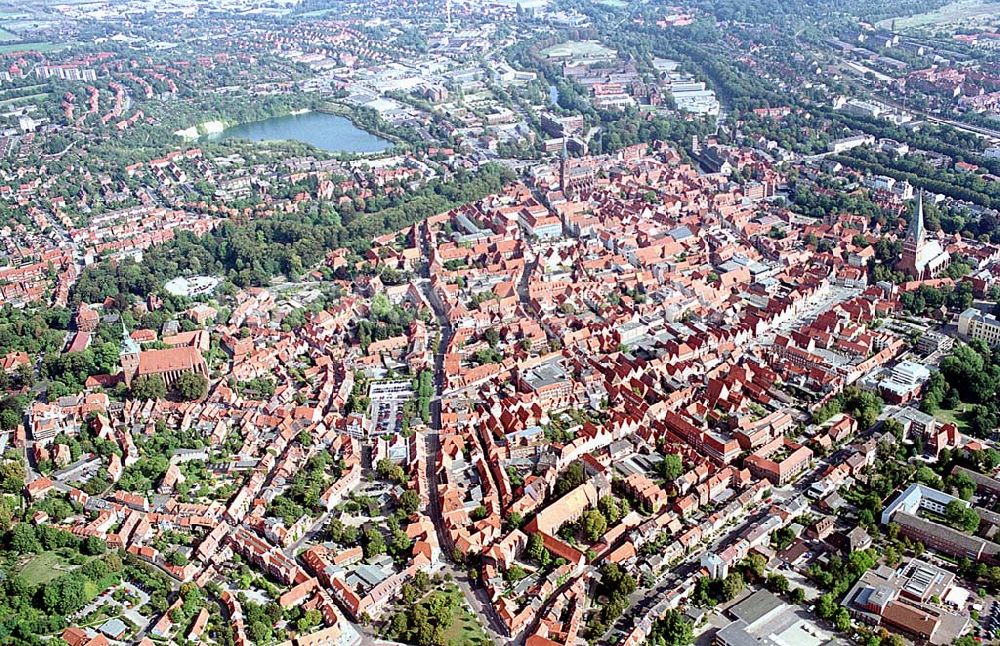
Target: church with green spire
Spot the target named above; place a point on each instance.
(922, 258)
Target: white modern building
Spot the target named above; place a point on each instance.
(917, 496)
(695, 97)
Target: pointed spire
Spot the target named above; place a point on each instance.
(916, 232)
(128, 345)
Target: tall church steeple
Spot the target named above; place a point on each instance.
(128, 356)
(922, 258)
(916, 232)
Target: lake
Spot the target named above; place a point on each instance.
(326, 131)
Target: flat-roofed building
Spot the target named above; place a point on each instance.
(549, 380)
(918, 496)
(899, 599)
(763, 619)
(915, 422)
(945, 539)
(932, 342)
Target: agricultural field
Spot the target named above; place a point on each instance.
(961, 12)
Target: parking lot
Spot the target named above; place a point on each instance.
(989, 620)
(386, 407)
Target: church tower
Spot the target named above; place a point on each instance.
(910, 263)
(923, 258)
(128, 355)
(916, 233)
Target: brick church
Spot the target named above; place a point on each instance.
(170, 363)
(922, 259)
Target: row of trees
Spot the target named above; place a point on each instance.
(613, 590)
(970, 375)
(926, 299)
(939, 138)
(252, 252)
(425, 391)
(189, 387)
(968, 188)
(865, 406)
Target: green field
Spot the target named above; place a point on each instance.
(43, 568)
(578, 49)
(953, 416)
(21, 91)
(6, 36)
(43, 47)
(23, 100)
(465, 629)
(954, 13)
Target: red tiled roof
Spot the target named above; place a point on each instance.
(158, 361)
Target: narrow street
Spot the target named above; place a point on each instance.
(310, 534)
(476, 597)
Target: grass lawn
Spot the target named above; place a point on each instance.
(23, 100)
(43, 568)
(578, 49)
(953, 416)
(318, 12)
(22, 91)
(31, 47)
(465, 629)
(98, 617)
